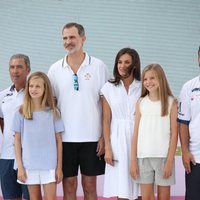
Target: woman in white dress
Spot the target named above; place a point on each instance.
(120, 95)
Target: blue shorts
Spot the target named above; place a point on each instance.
(11, 189)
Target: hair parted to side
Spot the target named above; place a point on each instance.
(47, 100)
(135, 65)
(164, 90)
(80, 28)
(21, 56)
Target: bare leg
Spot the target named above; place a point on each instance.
(35, 192)
(69, 188)
(89, 187)
(50, 191)
(147, 191)
(163, 192)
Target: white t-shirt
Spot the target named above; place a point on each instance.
(189, 113)
(10, 101)
(81, 109)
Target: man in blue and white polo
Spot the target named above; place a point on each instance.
(189, 130)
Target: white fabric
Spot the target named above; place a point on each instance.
(39, 177)
(81, 110)
(117, 180)
(9, 104)
(189, 113)
(154, 130)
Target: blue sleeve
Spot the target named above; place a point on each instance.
(59, 126)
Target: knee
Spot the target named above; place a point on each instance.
(89, 187)
(69, 185)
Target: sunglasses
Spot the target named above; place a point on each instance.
(76, 85)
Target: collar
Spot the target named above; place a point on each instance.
(135, 83)
(86, 61)
(13, 89)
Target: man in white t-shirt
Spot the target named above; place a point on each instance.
(189, 130)
(76, 80)
(10, 100)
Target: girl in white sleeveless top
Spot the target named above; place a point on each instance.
(155, 135)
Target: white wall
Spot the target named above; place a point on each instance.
(165, 31)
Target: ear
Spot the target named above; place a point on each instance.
(84, 39)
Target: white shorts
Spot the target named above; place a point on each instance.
(39, 177)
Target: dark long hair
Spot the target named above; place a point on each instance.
(135, 65)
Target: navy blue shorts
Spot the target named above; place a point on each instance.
(11, 189)
(193, 183)
(84, 155)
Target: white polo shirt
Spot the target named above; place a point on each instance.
(10, 100)
(81, 110)
(189, 113)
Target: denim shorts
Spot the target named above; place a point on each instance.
(11, 189)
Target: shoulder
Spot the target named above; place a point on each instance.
(56, 64)
(97, 62)
(191, 83)
(6, 92)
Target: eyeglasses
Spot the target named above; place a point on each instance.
(76, 85)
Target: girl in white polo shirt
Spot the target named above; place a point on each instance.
(38, 144)
(155, 135)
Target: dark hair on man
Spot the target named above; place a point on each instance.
(21, 56)
(199, 50)
(81, 30)
(134, 67)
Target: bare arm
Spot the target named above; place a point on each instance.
(101, 146)
(59, 174)
(134, 166)
(1, 124)
(173, 141)
(18, 154)
(187, 157)
(106, 132)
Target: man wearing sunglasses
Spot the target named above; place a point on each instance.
(76, 80)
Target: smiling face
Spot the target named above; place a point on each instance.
(124, 65)
(150, 81)
(36, 88)
(72, 41)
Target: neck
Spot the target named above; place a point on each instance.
(154, 96)
(18, 87)
(75, 60)
(37, 106)
(127, 81)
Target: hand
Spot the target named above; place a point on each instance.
(100, 147)
(109, 157)
(59, 175)
(134, 169)
(21, 174)
(167, 170)
(187, 158)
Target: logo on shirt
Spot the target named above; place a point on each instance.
(87, 76)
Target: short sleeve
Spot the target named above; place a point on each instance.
(105, 91)
(59, 126)
(17, 123)
(184, 108)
